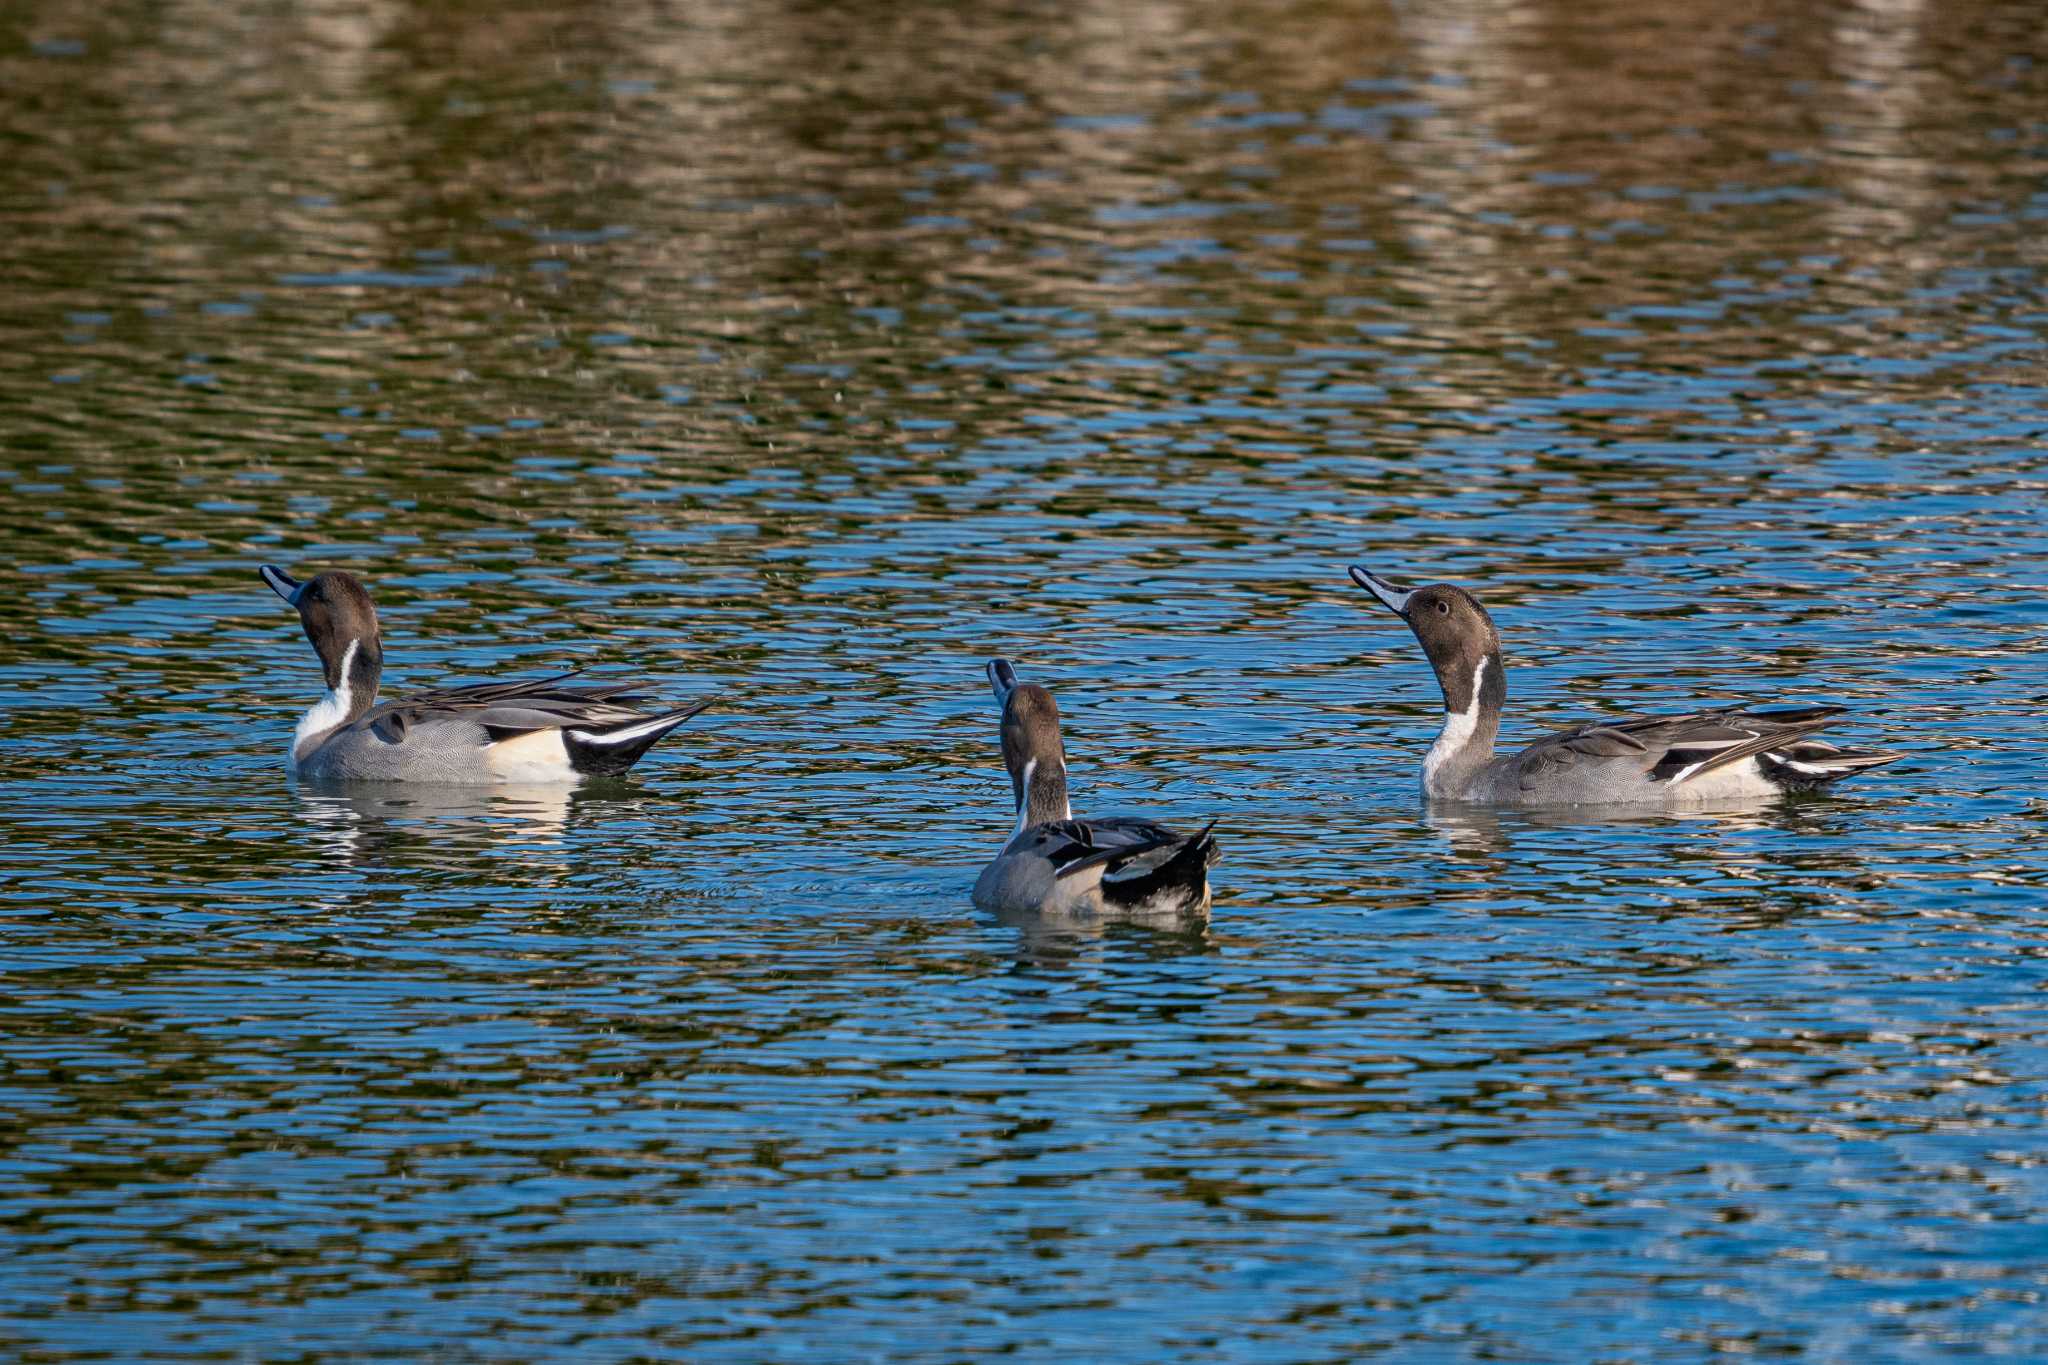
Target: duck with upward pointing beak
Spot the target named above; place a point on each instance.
(536, 731)
(1726, 755)
(1117, 867)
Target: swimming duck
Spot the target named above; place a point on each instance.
(536, 731)
(1699, 756)
(1054, 863)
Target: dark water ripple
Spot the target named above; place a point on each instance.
(809, 355)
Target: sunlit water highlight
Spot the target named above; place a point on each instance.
(811, 357)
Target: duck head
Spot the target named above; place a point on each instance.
(1032, 750)
(1459, 638)
(341, 622)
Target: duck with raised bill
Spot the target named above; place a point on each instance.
(1122, 866)
(1693, 758)
(539, 730)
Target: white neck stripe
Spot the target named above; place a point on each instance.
(1459, 727)
(328, 712)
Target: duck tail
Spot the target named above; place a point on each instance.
(608, 750)
(1812, 764)
(1172, 875)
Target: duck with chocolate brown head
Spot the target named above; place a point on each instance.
(1122, 866)
(341, 622)
(526, 732)
(1685, 759)
(1033, 753)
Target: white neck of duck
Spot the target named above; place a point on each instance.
(1042, 795)
(341, 703)
(1465, 745)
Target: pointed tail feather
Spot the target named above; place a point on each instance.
(607, 751)
(1811, 765)
(1786, 715)
(1783, 737)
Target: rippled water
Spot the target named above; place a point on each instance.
(809, 355)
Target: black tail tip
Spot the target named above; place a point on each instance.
(610, 751)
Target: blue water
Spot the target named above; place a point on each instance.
(811, 358)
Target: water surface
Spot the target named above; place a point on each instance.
(809, 355)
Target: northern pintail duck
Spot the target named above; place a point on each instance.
(532, 731)
(1055, 863)
(1696, 757)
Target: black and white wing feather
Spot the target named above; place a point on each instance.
(1143, 865)
(1677, 749)
(604, 731)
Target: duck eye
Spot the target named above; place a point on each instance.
(1443, 609)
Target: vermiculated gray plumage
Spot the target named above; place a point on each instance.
(1693, 757)
(531, 730)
